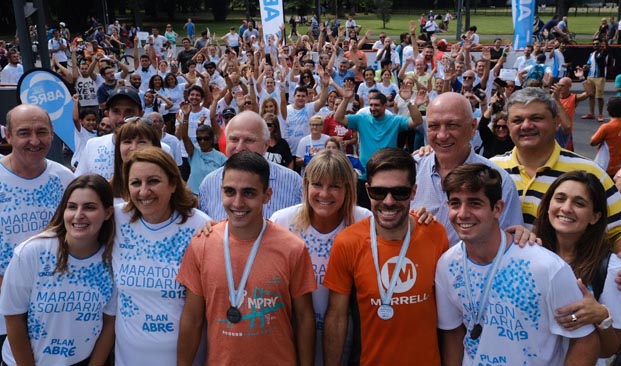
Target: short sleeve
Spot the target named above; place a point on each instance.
(190, 269)
(302, 274)
(18, 282)
(339, 275)
(449, 315)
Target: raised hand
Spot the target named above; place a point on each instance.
(486, 54)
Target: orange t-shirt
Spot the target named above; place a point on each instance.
(282, 271)
(410, 337)
(611, 133)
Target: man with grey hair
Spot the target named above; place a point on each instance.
(31, 186)
(450, 126)
(537, 159)
(248, 131)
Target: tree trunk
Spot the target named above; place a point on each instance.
(562, 7)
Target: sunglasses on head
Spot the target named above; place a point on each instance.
(398, 193)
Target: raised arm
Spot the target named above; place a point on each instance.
(323, 96)
(184, 113)
(76, 112)
(348, 95)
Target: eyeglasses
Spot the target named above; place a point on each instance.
(269, 124)
(501, 127)
(468, 77)
(398, 193)
(247, 103)
(228, 116)
(316, 124)
(204, 138)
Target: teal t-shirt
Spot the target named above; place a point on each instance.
(375, 134)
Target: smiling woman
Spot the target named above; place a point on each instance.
(153, 230)
(57, 274)
(329, 206)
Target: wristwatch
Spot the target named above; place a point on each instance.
(606, 323)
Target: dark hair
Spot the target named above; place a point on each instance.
(185, 38)
(473, 178)
(301, 89)
(385, 62)
(272, 118)
(102, 188)
(614, 107)
(145, 57)
(251, 162)
(182, 200)
(129, 131)
(377, 95)
(190, 63)
(105, 69)
(592, 245)
(166, 85)
(391, 158)
(152, 79)
(89, 110)
(197, 88)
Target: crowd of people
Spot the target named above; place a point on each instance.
(251, 201)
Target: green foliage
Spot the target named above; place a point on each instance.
(383, 10)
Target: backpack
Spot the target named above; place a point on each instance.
(535, 73)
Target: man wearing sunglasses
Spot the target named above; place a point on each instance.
(393, 276)
(450, 127)
(98, 154)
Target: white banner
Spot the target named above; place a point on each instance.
(272, 17)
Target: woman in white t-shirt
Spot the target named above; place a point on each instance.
(57, 292)
(572, 221)
(329, 206)
(153, 230)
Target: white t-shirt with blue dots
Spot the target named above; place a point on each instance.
(65, 310)
(146, 260)
(518, 322)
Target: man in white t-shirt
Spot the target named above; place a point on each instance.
(158, 41)
(496, 301)
(58, 47)
(198, 116)
(13, 71)
(300, 112)
(98, 154)
(31, 186)
(166, 138)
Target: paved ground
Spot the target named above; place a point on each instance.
(584, 129)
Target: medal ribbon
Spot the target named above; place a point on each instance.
(490, 277)
(386, 296)
(237, 296)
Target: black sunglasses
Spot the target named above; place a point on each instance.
(269, 124)
(501, 127)
(204, 138)
(398, 193)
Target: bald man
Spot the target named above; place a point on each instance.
(247, 131)
(450, 126)
(31, 186)
(567, 103)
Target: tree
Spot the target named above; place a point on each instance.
(383, 8)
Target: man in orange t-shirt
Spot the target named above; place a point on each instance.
(610, 132)
(398, 316)
(561, 92)
(250, 321)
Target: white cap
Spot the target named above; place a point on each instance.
(62, 24)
